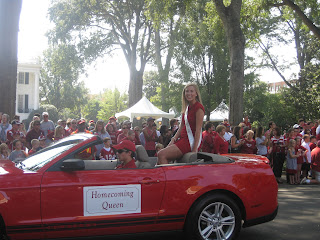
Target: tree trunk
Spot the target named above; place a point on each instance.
(9, 27)
(135, 86)
(230, 17)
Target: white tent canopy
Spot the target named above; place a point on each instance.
(220, 113)
(144, 108)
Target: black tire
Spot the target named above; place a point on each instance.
(204, 222)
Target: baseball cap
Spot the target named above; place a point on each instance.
(45, 114)
(81, 121)
(150, 119)
(125, 144)
(296, 126)
(91, 121)
(15, 122)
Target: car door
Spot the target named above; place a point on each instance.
(100, 202)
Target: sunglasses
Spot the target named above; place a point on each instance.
(121, 151)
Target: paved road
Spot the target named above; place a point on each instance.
(298, 218)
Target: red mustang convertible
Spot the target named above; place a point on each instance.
(61, 192)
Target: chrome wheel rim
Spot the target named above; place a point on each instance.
(216, 222)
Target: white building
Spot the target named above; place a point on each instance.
(27, 94)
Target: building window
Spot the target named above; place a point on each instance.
(23, 78)
(26, 78)
(23, 103)
(26, 103)
(20, 103)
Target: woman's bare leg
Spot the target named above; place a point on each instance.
(169, 153)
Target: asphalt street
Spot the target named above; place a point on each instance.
(298, 218)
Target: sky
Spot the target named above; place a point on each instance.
(106, 73)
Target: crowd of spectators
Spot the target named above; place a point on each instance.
(298, 147)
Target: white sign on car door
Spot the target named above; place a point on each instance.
(111, 200)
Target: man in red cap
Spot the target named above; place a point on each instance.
(125, 151)
(81, 127)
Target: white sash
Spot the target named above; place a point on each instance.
(189, 131)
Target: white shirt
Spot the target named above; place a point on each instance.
(227, 136)
(307, 157)
(318, 130)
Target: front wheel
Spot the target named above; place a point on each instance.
(215, 217)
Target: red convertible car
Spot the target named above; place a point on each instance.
(61, 192)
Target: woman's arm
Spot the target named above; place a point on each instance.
(199, 121)
(177, 135)
(233, 142)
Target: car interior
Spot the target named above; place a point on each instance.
(144, 161)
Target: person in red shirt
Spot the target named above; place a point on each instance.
(220, 145)
(81, 128)
(124, 134)
(151, 137)
(207, 138)
(246, 121)
(192, 120)
(313, 129)
(107, 152)
(315, 162)
(14, 134)
(125, 152)
(34, 133)
(35, 145)
(313, 142)
(249, 144)
(73, 126)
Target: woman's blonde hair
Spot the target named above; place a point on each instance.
(184, 100)
(57, 132)
(248, 132)
(3, 147)
(291, 143)
(99, 122)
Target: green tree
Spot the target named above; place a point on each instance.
(202, 54)
(92, 108)
(59, 84)
(151, 83)
(96, 28)
(111, 103)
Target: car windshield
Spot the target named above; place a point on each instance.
(37, 161)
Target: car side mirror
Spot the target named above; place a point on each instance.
(72, 165)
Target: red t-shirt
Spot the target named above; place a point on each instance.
(207, 142)
(192, 110)
(220, 145)
(130, 164)
(249, 147)
(300, 159)
(312, 146)
(276, 142)
(107, 154)
(150, 144)
(12, 135)
(313, 131)
(248, 124)
(315, 159)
